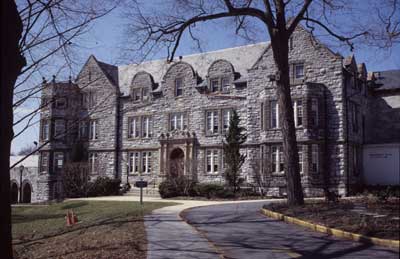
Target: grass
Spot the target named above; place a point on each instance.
(106, 229)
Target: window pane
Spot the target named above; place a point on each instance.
(214, 85)
(274, 114)
(178, 87)
(299, 71)
(225, 84)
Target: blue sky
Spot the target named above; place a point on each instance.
(106, 39)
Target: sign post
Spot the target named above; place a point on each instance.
(141, 184)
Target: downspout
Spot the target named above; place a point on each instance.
(117, 137)
(347, 135)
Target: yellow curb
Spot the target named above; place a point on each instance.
(333, 231)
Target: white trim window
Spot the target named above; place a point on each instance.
(83, 130)
(214, 85)
(298, 71)
(277, 159)
(298, 112)
(177, 121)
(45, 131)
(147, 127)
(178, 86)
(133, 164)
(44, 161)
(212, 161)
(93, 130)
(212, 122)
(225, 85)
(93, 162)
(226, 119)
(58, 161)
(133, 127)
(146, 94)
(146, 162)
(314, 112)
(314, 158)
(137, 94)
(274, 109)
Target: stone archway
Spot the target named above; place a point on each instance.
(14, 192)
(176, 163)
(26, 193)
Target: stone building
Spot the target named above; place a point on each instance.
(24, 184)
(160, 118)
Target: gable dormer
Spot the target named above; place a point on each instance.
(142, 86)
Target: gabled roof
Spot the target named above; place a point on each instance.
(242, 58)
(387, 80)
(110, 71)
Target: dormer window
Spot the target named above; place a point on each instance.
(214, 85)
(225, 85)
(146, 94)
(136, 94)
(178, 87)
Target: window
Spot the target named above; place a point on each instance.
(44, 161)
(133, 127)
(45, 130)
(133, 162)
(59, 129)
(61, 103)
(84, 100)
(298, 113)
(92, 99)
(214, 85)
(301, 163)
(177, 121)
(178, 87)
(225, 85)
(146, 162)
(93, 130)
(314, 112)
(83, 130)
(277, 159)
(354, 116)
(147, 127)
(274, 114)
(226, 119)
(58, 161)
(298, 71)
(314, 158)
(212, 161)
(212, 122)
(93, 162)
(146, 94)
(136, 94)
(355, 160)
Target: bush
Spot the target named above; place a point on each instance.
(104, 186)
(179, 186)
(210, 190)
(76, 180)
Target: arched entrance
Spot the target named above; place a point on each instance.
(14, 192)
(26, 193)
(176, 163)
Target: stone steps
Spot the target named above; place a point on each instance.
(147, 192)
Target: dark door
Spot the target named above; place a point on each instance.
(26, 193)
(14, 193)
(176, 163)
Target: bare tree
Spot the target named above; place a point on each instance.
(37, 35)
(159, 27)
(27, 150)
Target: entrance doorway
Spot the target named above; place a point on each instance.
(176, 163)
(26, 193)
(14, 193)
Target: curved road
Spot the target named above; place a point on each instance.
(240, 231)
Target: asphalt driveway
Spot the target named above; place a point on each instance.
(240, 231)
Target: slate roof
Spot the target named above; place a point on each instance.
(242, 58)
(387, 80)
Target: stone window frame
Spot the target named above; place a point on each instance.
(215, 161)
(146, 130)
(45, 129)
(57, 159)
(59, 135)
(184, 121)
(93, 162)
(137, 92)
(294, 80)
(134, 132)
(93, 129)
(62, 105)
(296, 112)
(277, 159)
(44, 167)
(220, 120)
(315, 158)
(314, 112)
(83, 129)
(144, 161)
(178, 86)
(220, 86)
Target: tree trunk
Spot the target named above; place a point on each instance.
(11, 65)
(286, 119)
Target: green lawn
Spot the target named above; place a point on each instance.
(106, 229)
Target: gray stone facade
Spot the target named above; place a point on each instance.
(158, 118)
